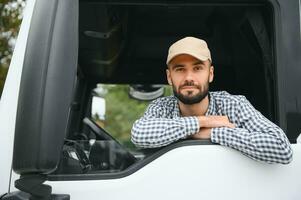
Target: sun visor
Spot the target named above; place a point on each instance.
(46, 86)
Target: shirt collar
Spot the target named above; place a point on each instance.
(177, 112)
(211, 107)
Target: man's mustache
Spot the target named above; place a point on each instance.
(189, 83)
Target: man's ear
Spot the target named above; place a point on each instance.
(168, 77)
(211, 73)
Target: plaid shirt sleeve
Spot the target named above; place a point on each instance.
(254, 135)
(158, 128)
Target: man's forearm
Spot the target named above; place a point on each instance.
(157, 132)
(271, 147)
(213, 121)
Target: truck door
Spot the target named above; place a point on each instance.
(46, 88)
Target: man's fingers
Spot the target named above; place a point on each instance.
(231, 125)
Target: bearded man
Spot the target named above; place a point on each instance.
(194, 112)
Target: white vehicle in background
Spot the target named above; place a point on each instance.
(51, 149)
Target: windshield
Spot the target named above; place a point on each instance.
(115, 109)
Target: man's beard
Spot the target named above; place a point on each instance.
(191, 99)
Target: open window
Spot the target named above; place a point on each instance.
(123, 48)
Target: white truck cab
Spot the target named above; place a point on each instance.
(51, 149)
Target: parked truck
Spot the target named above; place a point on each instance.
(52, 149)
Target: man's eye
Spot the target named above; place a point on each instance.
(179, 69)
(197, 68)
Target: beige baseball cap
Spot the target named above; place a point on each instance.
(192, 46)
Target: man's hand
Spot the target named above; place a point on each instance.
(213, 121)
(204, 133)
(209, 122)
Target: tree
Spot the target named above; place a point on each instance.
(10, 20)
(122, 111)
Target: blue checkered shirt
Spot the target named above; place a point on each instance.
(254, 135)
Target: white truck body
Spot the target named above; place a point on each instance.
(189, 171)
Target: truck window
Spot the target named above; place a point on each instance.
(124, 47)
(115, 109)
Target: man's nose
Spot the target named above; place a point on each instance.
(189, 76)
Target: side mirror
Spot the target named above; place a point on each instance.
(146, 92)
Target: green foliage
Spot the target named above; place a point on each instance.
(10, 20)
(122, 111)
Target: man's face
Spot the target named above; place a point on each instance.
(189, 78)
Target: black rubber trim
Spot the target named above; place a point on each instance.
(155, 153)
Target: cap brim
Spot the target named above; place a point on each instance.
(199, 57)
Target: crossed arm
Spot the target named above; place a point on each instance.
(247, 130)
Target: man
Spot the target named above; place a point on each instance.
(194, 112)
